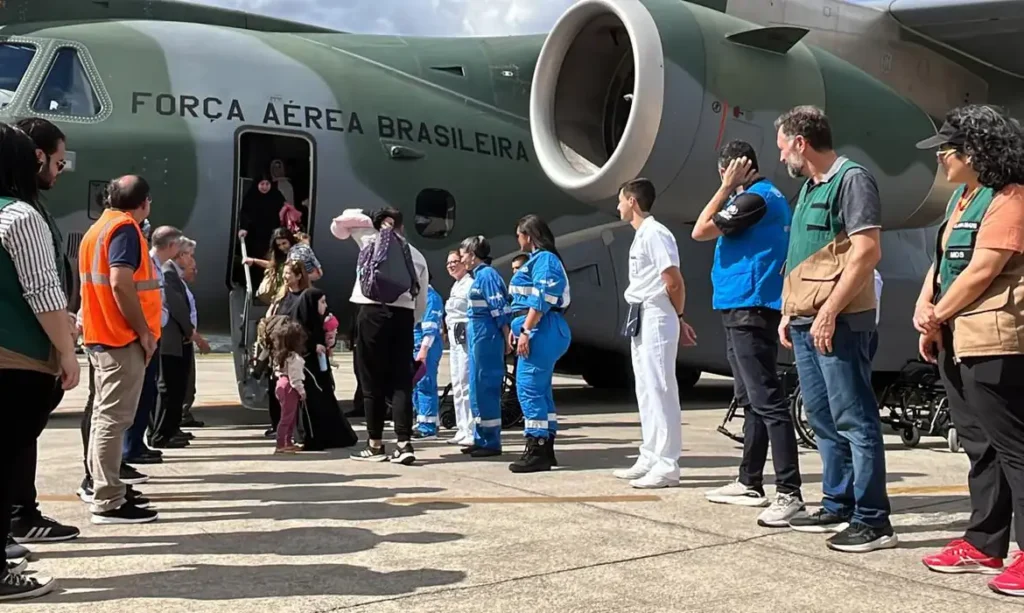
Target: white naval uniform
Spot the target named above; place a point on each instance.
(456, 311)
(654, 350)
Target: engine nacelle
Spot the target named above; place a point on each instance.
(627, 88)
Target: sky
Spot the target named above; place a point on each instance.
(412, 17)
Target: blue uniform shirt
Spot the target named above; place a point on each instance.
(488, 296)
(431, 324)
(540, 284)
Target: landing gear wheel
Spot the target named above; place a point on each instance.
(910, 436)
(953, 440)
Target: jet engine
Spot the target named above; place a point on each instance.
(627, 88)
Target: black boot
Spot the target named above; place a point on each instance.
(551, 451)
(536, 458)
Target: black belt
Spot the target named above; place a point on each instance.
(524, 312)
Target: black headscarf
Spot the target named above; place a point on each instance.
(260, 213)
(306, 311)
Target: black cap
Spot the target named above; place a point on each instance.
(947, 135)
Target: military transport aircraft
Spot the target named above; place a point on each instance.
(468, 134)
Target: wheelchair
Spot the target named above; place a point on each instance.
(511, 411)
(791, 389)
(918, 405)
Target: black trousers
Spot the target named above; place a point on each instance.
(190, 387)
(23, 497)
(173, 385)
(87, 416)
(24, 420)
(384, 347)
(752, 344)
(986, 402)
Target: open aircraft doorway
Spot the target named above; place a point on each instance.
(287, 160)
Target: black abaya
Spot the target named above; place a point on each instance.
(323, 422)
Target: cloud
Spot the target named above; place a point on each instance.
(412, 17)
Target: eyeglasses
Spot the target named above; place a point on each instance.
(944, 152)
(453, 263)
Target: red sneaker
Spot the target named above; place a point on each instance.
(962, 557)
(1011, 581)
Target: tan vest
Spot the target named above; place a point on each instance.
(994, 323)
(812, 281)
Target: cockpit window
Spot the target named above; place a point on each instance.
(67, 89)
(14, 61)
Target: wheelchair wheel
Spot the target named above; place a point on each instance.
(911, 436)
(511, 411)
(804, 432)
(953, 441)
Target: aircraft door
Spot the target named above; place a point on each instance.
(285, 162)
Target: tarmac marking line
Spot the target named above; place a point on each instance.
(521, 499)
(931, 489)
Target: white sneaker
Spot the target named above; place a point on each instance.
(456, 440)
(784, 508)
(17, 566)
(634, 472)
(653, 482)
(737, 494)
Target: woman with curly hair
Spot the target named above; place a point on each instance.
(971, 318)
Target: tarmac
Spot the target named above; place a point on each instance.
(243, 530)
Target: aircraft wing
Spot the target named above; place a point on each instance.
(986, 30)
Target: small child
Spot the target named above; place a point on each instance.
(331, 332)
(288, 341)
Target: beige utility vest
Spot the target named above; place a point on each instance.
(994, 323)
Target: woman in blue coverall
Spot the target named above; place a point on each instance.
(429, 348)
(540, 294)
(488, 344)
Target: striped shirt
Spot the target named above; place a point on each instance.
(28, 240)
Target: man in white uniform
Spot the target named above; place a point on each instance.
(656, 296)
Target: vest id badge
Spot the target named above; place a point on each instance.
(631, 327)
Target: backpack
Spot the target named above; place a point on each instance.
(385, 268)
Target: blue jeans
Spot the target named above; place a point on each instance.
(841, 408)
(134, 438)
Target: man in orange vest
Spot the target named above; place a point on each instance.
(121, 308)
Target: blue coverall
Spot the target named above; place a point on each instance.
(540, 284)
(488, 316)
(425, 394)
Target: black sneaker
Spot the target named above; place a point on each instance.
(820, 522)
(371, 454)
(131, 476)
(20, 587)
(862, 538)
(484, 452)
(14, 551)
(132, 496)
(404, 454)
(41, 530)
(144, 459)
(127, 513)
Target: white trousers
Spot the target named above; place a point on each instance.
(459, 367)
(654, 352)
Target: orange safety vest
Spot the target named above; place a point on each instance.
(102, 321)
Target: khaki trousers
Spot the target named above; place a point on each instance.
(119, 377)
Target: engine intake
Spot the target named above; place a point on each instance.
(597, 97)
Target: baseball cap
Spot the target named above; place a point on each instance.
(947, 135)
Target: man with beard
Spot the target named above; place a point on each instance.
(28, 525)
(828, 308)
